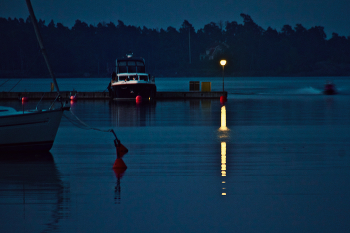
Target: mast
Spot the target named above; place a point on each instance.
(189, 44)
(40, 40)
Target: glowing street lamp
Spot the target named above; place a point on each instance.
(223, 63)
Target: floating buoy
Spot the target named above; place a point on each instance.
(223, 99)
(119, 172)
(138, 99)
(24, 99)
(119, 164)
(121, 150)
(73, 97)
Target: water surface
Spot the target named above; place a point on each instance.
(275, 158)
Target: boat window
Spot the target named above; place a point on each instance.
(141, 69)
(131, 63)
(132, 68)
(122, 69)
(140, 63)
(123, 78)
(144, 77)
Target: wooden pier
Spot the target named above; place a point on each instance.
(105, 95)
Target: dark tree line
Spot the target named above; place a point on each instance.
(248, 49)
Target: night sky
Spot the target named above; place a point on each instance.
(333, 15)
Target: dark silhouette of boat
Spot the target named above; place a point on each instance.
(130, 79)
(329, 89)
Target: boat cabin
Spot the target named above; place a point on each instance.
(130, 65)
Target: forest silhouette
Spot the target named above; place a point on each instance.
(250, 50)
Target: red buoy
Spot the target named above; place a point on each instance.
(24, 99)
(119, 172)
(223, 99)
(119, 164)
(138, 99)
(121, 150)
(73, 97)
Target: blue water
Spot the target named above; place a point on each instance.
(275, 158)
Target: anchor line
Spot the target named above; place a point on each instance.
(87, 127)
(4, 82)
(15, 85)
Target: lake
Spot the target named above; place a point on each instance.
(274, 158)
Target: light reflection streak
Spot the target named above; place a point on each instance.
(223, 119)
(223, 158)
(223, 135)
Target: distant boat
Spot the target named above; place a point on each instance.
(329, 89)
(34, 130)
(130, 79)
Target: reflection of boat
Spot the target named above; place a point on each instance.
(127, 113)
(30, 130)
(131, 79)
(329, 89)
(32, 180)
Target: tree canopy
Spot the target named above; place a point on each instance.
(248, 48)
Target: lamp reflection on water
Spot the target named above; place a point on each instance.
(223, 134)
(223, 120)
(223, 164)
(223, 158)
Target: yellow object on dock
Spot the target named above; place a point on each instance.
(206, 86)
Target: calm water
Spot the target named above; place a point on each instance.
(275, 158)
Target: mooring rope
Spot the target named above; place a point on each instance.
(87, 127)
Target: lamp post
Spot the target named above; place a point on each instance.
(223, 63)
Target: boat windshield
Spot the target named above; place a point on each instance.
(130, 67)
(140, 67)
(122, 68)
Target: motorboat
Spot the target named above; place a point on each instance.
(329, 89)
(131, 80)
(33, 130)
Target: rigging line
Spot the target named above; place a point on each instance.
(15, 85)
(4, 82)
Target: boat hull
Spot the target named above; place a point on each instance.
(329, 92)
(29, 132)
(329, 89)
(127, 91)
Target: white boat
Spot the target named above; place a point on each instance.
(29, 131)
(130, 79)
